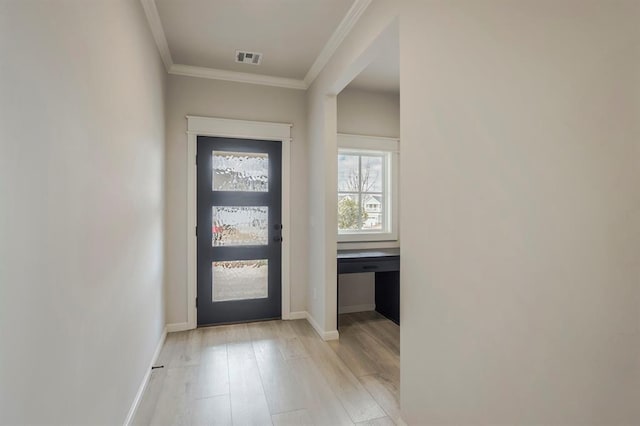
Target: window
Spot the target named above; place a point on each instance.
(367, 195)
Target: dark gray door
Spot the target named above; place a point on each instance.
(239, 230)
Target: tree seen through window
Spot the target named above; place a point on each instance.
(361, 191)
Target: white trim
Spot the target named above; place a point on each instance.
(298, 315)
(368, 142)
(356, 308)
(368, 245)
(373, 238)
(239, 77)
(286, 224)
(145, 380)
(324, 335)
(157, 31)
(240, 129)
(192, 242)
(338, 36)
(178, 326)
(228, 127)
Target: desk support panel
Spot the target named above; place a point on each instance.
(388, 295)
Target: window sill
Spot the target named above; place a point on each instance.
(365, 238)
(353, 245)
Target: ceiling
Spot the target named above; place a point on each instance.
(297, 38)
(290, 33)
(383, 73)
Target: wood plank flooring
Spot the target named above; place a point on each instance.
(277, 373)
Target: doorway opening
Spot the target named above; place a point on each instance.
(367, 189)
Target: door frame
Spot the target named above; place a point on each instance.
(238, 129)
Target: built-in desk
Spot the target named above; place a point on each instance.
(386, 265)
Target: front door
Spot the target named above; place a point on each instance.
(239, 230)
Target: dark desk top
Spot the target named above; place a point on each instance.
(368, 253)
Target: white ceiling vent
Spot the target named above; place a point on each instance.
(252, 58)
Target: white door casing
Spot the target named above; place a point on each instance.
(238, 129)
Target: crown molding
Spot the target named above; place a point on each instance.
(155, 24)
(239, 77)
(351, 18)
(348, 22)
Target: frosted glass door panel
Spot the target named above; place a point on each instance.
(240, 280)
(240, 171)
(240, 226)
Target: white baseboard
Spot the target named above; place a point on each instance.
(178, 326)
(356, 308)
(325, 335)
(298, 315)
(145, 380)
(330, 335)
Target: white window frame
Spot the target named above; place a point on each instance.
(391, 190)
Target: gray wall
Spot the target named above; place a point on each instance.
(81, 209)
(213, 98)
(364, 112)
(521, 211)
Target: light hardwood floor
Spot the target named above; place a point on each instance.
(277, 373)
